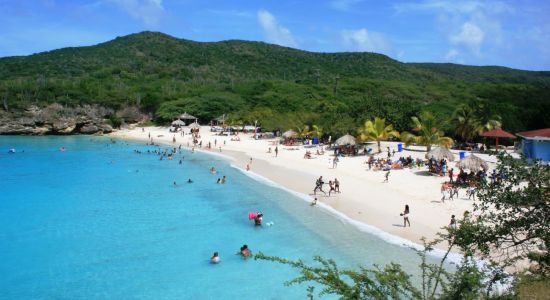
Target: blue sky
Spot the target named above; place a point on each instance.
(508, 33)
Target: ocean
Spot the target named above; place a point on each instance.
(103, 220)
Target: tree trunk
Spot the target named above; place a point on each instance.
(378, 143)
(5, 102)
(429, 147)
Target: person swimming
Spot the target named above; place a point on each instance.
(219, 180)
(213, 170)
(258, 219)
(215, 258)
(245, 252)
(189, 180)
(223, 180)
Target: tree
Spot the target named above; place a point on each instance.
(472, 118)
(428, 132)
(513, 215)
(377, 130)
(303, 131)
(317, 131)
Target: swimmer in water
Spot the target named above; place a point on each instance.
(189, 180)
(314, 202)
(215, 258)
(219, 180)
(213, 170)
(175, 184)
(245, 252)
(223, 180)
(258, 219)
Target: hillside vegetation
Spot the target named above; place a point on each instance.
(278, 86)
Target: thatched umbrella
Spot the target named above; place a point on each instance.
(186, 116)
(194, 126)
(289, 134)
(346, 140)
(472, 163)
(440, 153)
(178, 123)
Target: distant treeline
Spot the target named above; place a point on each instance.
(279, 87)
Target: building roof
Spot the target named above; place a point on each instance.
(499, 133)
(539, 134)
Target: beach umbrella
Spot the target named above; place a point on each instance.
(346, 140)
(472, 163)
(186, 116)
(498, 133)
(289, 134)
(194, 126)
(440, 153)
(178, 123)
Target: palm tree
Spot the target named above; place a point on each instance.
(428, 131)
(473, 118)
(377, 130)
(317, 131)
(303, 131)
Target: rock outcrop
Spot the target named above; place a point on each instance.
(56, 119)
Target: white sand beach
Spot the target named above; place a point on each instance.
(364, 197)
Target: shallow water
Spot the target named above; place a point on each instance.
(99, 221)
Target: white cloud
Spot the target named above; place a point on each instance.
(148, 11)
(343, 5)
(451, 55)
(470, 36)
(363, 40)
(275, 33)
(460, 7)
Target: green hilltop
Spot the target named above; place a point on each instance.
(279, 86)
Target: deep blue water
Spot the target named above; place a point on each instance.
(99, 221)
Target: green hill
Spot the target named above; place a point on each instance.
(277, 85)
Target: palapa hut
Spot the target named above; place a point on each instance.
(346, 140)
(440, 153)
(289, 137)
(497, 133)
(178, 123)
(186, 116)
(220, 121)
(472, 163)
(346, 145)
(194, 126)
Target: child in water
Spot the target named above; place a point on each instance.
(215, 258)
(258, 219)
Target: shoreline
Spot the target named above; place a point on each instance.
(366, 202)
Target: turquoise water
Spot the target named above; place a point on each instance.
(100, 221)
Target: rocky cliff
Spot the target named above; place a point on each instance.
(56, 119)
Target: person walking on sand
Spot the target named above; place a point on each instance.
(331, 186)
(387, 176)
(451, 173)
(453, 224)
(405, 215)
(336, 185)
(335, 162)
(276, 151)
(319, 186)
